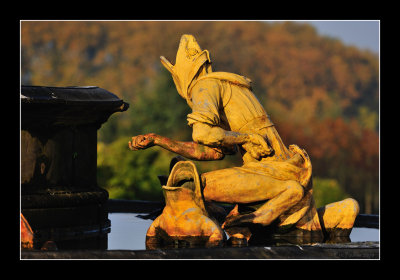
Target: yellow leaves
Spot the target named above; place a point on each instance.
(367, 118)
(303, 110)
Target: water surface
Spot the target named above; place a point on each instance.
(128, 232)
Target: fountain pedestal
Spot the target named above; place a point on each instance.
(60, 197)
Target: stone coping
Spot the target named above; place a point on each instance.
(357, 250)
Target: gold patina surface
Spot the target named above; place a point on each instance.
(227, 117)
(184, 216)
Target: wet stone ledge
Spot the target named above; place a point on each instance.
(358, 250)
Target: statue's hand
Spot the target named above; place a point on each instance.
(141, 142)
(257, 146)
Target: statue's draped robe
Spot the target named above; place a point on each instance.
(226, 100)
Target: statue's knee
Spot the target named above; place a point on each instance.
(295, 190)
(351, 205)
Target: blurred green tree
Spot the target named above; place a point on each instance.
(326, 191)
(156, 107)
(131, 175)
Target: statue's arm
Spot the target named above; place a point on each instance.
(190, 150)
(215, 136)
(206, 103)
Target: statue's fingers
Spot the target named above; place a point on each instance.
(254, 153)
(262, 152)
(260, 141)
(265, 145)
(138, 140)
(130, 145)
(266, 151)
(138, 137)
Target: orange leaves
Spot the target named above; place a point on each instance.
(296, 73)
(331, 139)
(285, 60)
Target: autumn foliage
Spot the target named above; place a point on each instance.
(321, 94)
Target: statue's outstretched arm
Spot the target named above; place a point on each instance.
(190, 150)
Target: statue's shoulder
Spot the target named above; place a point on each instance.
(228, 77)
(218, 77)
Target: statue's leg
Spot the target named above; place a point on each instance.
(234, 185)
(291, 193)
(337, 219)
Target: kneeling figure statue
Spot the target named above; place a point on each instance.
(271, 191)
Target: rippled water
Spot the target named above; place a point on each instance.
(128, 232)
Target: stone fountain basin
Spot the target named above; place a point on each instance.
(131, 219)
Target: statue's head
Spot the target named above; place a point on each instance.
(190, 61)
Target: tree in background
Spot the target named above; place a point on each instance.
(321, 94)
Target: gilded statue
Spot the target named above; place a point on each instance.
(272, 188)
